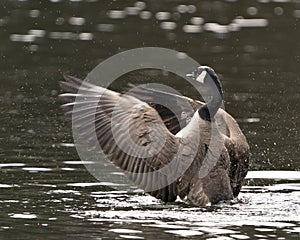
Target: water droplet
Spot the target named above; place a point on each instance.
(182, 8)
(60, 21)
(192, 9)
(278, 11)
(140, 5)
(252, 11)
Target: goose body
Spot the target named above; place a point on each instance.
(191, 157)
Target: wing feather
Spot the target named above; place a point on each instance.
(118, 119)
(235, 141)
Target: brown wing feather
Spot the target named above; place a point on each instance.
(169, 106)
(180, 103)
(117, 120)
(99, 111)
(239, 152)
(236, 143)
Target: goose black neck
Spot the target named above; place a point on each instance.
(209, 110)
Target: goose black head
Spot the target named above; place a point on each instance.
(199, 74)
(207, 76)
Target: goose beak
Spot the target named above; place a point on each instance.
(190, 75)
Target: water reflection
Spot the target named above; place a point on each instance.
(77, 21)
(192, 29)
(163, 16)
(23, 216)
(34, 13)
(137, 215)
(116, 14)
(46, 192)
(168, 25)
(198, 23)
(251, 22)
(36, 169)
(224, 220)
(145, 15)
(22, 37)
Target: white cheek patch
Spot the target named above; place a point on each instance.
(201, 77)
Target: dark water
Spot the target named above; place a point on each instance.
(46, 193)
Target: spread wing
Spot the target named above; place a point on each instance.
(175, 111)
(236, 143)
(130, 132)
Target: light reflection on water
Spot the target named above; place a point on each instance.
(218, 220)
(267, 211)
(35, 34)
(198, 23)
(45, 190)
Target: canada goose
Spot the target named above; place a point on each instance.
(160, 139)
